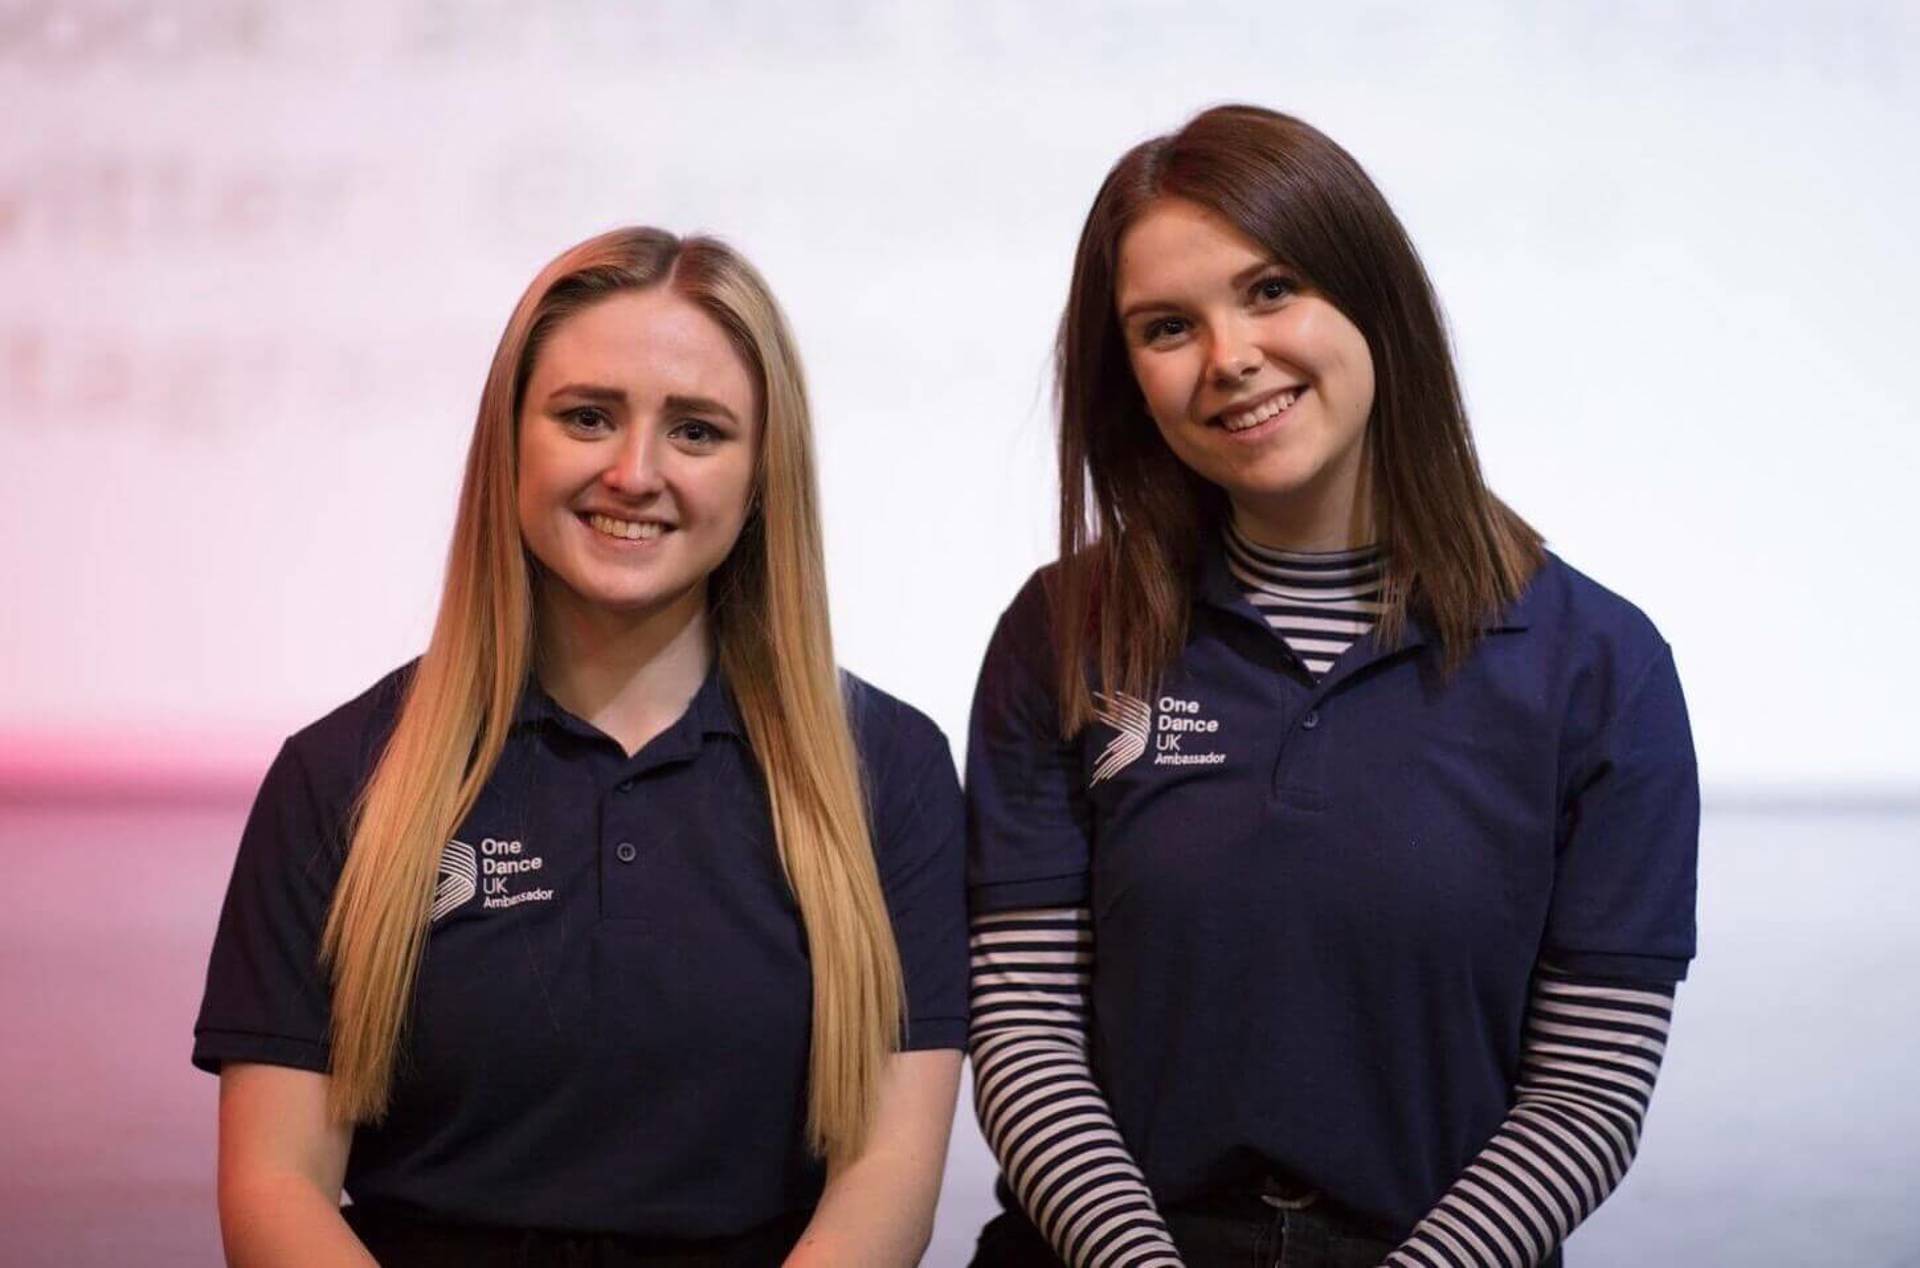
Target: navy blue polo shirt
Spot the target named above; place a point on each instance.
(610, 1028)
(1318, 905)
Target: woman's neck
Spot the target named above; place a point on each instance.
(630, 675)
(1310, 520)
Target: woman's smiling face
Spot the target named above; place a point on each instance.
(638, 434)
(1259, 385)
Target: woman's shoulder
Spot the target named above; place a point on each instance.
(907, 768)
(1601, 648)
(1025, 628)
(888, 731)
(337, 750)
(1573, 606)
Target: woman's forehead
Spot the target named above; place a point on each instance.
(1176, 246)
(651, 341)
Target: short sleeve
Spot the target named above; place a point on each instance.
(919, 824)
(1624, 885)
(266, 996)
(1028, 820)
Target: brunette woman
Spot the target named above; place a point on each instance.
(620, 928)
(1333, 843)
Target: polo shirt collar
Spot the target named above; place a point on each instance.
(714, 707)
(1217, 588)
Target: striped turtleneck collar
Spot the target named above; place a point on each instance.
(1320, 602)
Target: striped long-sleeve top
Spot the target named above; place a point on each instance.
(1589, 1058)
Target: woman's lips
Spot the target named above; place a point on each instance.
(624, 529)
(1238, 420)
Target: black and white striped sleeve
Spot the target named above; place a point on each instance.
(1042, 1113)
(1587, 1067)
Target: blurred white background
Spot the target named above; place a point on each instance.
(254, 256)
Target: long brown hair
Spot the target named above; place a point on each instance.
(1455, 553)
(769, 607)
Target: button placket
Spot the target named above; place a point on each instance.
(624, 845)
(1299, 768)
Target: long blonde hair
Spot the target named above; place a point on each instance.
(768, 602)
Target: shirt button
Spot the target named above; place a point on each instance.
(624, 851)
(1311, 721)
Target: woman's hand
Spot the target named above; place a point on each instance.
(877, 1211)
(282, 1160)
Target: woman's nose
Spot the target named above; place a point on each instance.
(635, 467)
(1233, 356)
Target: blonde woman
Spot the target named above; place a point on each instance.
(620, 928)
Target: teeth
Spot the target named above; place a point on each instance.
(1254, 417)
(631, 530)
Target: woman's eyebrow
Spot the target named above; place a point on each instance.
(1245, 276)
(1145, 306)
(1238, 281)
(590, 392)
(700, 405)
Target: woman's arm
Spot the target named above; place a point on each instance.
(282, 1160)
(1587, 1068)
(1031, 829)
(878, 1209)
(1042, 1113)
(1619, 933)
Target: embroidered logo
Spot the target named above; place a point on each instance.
(1132, 721)
(1167, 725)
(503, 861)
(1181, 721)
(459, 879)
(492, 870)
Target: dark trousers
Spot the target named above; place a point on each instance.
(403, 1241)
(1231, 1232)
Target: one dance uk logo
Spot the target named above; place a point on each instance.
(459, 878)
(1135, 730)
(1132, 722)
(488, 870)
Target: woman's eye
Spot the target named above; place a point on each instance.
(586, 418)
(697, 432)
(1273, 289)
(1164, 328)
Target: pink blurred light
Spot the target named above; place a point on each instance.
(143, 766)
